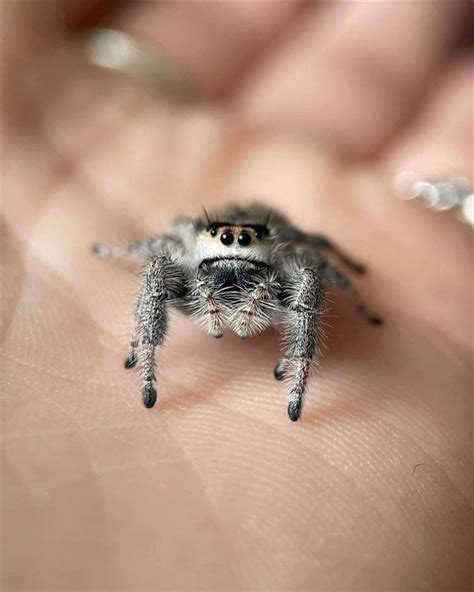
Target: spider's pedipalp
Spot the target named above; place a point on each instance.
(207, 306)
(254, 310)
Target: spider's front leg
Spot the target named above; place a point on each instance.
(162, 281)
(303, 301)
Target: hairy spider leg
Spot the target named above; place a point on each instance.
(151, 324)
(338, 279)
(303, 301)
(279, 371)
(138, 249)
(322, 243)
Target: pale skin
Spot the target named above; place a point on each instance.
(214, 489)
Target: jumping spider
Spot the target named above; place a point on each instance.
(241, 268)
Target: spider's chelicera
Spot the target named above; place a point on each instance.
(241, 269)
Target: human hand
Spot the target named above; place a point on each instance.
(215, 488)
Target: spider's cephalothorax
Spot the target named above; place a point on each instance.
(239, 269)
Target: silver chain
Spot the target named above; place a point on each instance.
(439, 193)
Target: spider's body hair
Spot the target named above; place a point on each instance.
(240, 268)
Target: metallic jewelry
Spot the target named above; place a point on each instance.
(118, 51)
(439, 193)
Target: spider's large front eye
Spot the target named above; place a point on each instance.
(227, 238)
(244, 239)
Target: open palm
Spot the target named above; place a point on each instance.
(215, 489)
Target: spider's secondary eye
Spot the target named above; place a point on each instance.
(258, 234)
(213, 232)
(227, 238)
(244, 239)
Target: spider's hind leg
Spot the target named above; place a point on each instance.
(103, 251)
(133, 250)
(322, 243)
(338, 279)
(138, 249)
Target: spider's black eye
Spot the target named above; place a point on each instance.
(258, 234)
(244, 239)
(227, 238)
(213, 232)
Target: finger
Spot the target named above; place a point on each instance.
(353, 74)
(214, 41)
(31, 27)
(86, 13)
(28, 28)
(440, 140)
